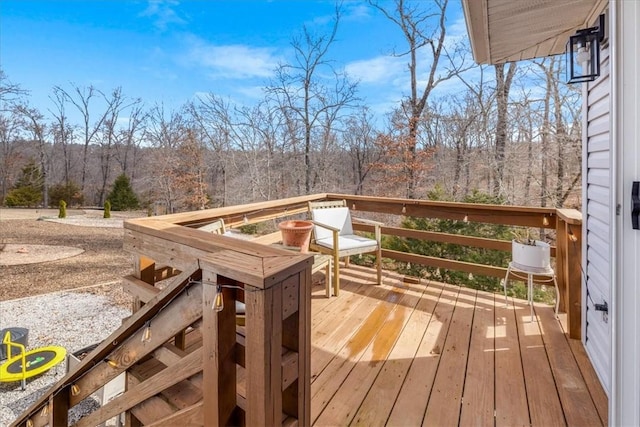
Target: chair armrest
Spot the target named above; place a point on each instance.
(376, 224)
(367, 221)
(328, 227)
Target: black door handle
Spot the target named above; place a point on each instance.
(635, 205)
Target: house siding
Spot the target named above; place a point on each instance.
(597, 208)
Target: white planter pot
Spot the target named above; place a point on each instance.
(536, 258)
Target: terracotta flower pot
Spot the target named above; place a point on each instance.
(296, 233)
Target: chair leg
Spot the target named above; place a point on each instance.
(336, 274)
(530, 294)
(327, 278)
(506, 280)
(555, 282)
(379, 263)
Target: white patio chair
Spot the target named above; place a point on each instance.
(216, 227)
(333, 234)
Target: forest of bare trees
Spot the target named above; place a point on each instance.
(510, 132)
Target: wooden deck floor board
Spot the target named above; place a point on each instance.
(404, 354)
(326, 307)
(340, 357)
(332, 316)
(343, 326)
(511, 406)
(577, 404)
(478, 396)
(412, 401)
(598, 394)
(346, 401)
(544, 403)
(377, 405)
(446, 395)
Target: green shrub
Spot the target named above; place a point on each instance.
(452, 251)
(23, 196)
(107, 209)
(69, 192)
(251, 229)
(122, 197)
(62, 209)
(28, 189)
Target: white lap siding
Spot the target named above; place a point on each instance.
(598, 222)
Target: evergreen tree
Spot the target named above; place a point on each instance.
(28, 189)
(122, 196)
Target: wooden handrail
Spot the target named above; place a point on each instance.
(560, 220)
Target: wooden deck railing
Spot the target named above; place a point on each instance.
(566, 223)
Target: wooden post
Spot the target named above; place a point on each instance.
(568, 267)
(574, 280)
(296, 337)
(263, 356)
(218, 340)
(59, 410)
(561, 264)
(144, 269)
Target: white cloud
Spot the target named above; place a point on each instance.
(252, 92)
(163, 13)
(356, 11)
(458, 28)
(378, 70)
(232, 61)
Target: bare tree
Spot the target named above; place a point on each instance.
(10, 127)
(503, 86)
(62, 130)
(304, 95)
(165, 133)
(108, 136)
(130, 137)
(360, 141)
(10, 93)
(213, 118)
(82, 98)
(37, 129)
(190, 171)
(421, 29)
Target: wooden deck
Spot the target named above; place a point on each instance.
(436, 354)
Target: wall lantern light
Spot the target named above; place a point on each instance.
(583, 54)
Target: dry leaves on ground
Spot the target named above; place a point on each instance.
(103, 259)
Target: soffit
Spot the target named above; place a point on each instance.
(513, 30)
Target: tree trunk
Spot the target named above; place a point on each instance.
(502, 99)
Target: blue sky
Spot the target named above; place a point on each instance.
(168, 51)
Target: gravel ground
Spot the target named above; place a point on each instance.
(72, 302)
(72, 320)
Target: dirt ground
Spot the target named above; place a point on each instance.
(102, 262)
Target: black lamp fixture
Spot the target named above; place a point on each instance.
(583, 54)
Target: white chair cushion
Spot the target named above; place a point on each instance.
(351, 241)
(335, 217)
